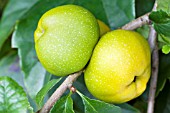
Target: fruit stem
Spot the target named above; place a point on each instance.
(67, 84)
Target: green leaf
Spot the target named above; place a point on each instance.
(41, 94)
(115, 13)
(161, 21)
(63, 105)
(143, 6)
(94, 6)
(166, 49)
(78, 103)
(164, 70)
(6, 48)
(144, 31)
(96, 106)
(126, 108)
(2, 5)
(162, 101)
(48, 77)
(165, 40)
(80, 86)
(159, 17)
(119, 12)
(164, 5)
(13, 99)
(13, 11)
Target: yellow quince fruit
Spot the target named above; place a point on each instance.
(103, 27)
(120, 67)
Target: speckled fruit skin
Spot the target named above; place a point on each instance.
(65, 38)
(103, 27)
(120, 67)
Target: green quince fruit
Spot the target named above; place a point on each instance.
(65, 38)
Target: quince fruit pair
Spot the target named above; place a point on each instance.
(119, 68)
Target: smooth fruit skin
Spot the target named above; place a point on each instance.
(103, 27)
(65, 38)
(120, 67)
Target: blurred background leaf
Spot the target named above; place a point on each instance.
(13, 12)
(143, 6)
(163, 40)
(126, 108)
(6, 48)
(144, 31)
(96, 7)
(2, 5)
(119, 12)
(114, 13)
(164, 71)
(162, 103)
(164, 5)
(35, 81)
(9, 66)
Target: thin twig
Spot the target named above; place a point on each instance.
(152, 38)
(155, 65)
(154, 6)
(59, 92)
(140, 21)
(155, 61)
